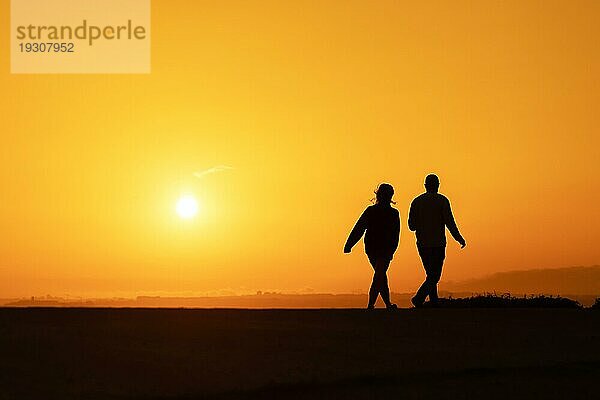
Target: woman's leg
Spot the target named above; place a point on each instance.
(381, 267)
(380, 282)
(374, 289)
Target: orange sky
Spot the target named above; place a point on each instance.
(313, 103)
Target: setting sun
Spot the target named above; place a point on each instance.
(187, 207)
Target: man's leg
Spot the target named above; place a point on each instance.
(434, 271)
(423, 292)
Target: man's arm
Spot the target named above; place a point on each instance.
(412, 217)
(359, 228)
(451, 224)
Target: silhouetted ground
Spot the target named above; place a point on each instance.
(442, 353)
(506, 301)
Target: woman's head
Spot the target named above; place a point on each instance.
(384, 194)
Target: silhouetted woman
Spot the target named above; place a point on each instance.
(382, 225)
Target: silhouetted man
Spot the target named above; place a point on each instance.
(429, 215)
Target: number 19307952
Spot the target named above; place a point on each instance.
(46, 47)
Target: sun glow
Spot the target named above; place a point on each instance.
(187, 207)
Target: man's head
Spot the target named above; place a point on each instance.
(432, 183)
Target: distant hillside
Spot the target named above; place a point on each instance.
(270, 300)
(578, 283)
(563, 281)
(259, 300)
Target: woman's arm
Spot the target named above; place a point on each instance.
(396, 233)
(359, 229)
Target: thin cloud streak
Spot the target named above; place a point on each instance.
(213, 170)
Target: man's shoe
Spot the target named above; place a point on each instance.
(391, 307)
(434, 303)
(416, 303)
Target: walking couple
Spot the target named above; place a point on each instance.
(429, 215)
